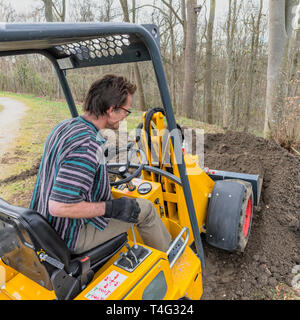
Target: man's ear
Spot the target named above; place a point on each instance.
(110, 110)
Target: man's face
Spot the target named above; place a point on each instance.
(115, 116)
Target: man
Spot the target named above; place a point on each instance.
(72, 190)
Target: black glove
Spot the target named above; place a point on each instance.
(125, 209)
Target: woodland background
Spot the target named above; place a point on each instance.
(232, 63)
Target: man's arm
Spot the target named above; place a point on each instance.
(76, 210)
(125, 209)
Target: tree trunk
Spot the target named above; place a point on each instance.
(190, 60)
(290, 116)
(63, 12)
(107, 10)
(208, 64)
(276, 55)
(124, 6)
(133, 10)
(294, 43)
(138, 78)
(230, 29)
(183, 15)
(173, 60)
(48, 10)
(253, 58)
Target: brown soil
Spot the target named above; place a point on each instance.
(274, 244)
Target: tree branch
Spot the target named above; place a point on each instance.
(56, 11)
(174, 12)
(161, 10)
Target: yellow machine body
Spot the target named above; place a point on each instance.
(201, 184)
(183, 280)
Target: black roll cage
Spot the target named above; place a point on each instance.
(78, 45)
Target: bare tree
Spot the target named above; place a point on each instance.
(276, 55)
(293, 33)
(208, 63)
(107, 10)
(229, 94)
(48, 10)
(190, 60)
(137, 73)
(52, 10)
(173, 76)
(60, 12)
(183, 14)
(288, 124)
(7, 13)
(253, 58)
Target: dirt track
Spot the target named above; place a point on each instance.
(9, 121)
(274, 244)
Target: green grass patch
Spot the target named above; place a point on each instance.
(1, 107)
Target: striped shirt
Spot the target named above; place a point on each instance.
(72, 170)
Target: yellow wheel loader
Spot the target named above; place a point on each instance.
(36, 263)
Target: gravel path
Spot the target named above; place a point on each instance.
(10, 121)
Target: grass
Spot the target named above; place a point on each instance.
(1, 107)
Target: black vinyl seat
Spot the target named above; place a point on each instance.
(30, 245)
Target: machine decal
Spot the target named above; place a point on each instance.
(106, 286)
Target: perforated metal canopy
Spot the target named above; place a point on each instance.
(81, 44)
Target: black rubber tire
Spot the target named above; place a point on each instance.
(244, 218)
(229, 215)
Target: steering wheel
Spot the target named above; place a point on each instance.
(123, 168)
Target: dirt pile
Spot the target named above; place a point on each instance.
(274, 244)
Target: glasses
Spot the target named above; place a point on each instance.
(128, 112)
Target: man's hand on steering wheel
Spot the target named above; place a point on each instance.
(123, 167)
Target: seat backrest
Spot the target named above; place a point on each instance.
(24, 233)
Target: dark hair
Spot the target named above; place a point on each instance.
(108, 91)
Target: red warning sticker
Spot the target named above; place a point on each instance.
(106, 286)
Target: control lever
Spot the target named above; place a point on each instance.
(137, 251)
(134, 250)
(134, 239)
(134, 256)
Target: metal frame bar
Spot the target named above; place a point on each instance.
(63, 83)
(167, 104)
(175, 241)
(255, 180)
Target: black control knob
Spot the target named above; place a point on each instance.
(122, 171)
